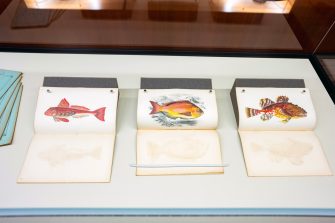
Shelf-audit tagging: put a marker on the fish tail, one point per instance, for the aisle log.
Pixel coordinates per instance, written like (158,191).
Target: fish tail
(100,114)
(155,107)
(250,112)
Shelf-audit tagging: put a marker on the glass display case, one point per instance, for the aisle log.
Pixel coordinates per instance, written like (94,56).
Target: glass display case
(214,197)
(128,39)
(210,26)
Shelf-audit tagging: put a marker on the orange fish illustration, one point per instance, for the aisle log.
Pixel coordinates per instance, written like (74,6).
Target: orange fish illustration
(177,109)
(63,111)
(281,109)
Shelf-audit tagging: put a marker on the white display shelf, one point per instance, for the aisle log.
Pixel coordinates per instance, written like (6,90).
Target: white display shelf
(231,193)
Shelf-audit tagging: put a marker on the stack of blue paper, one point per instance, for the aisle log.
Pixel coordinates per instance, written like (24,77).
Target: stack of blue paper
(10,97)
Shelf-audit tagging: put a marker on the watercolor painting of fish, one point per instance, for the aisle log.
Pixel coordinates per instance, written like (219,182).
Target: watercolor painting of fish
(177,109)
(63,111)
(282,109)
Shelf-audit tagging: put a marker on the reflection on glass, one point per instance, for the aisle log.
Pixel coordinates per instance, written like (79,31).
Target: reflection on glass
(173,10)
(253,6)
(76,4)
(3,5)
(178,25)
(26,18)
(328,64)
(112,12)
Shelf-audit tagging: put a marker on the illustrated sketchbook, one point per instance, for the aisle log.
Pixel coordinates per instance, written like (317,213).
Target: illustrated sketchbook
(176,121)
(75,124)
(275,120)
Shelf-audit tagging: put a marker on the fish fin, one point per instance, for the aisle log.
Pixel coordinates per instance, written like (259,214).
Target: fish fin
(80,116)
(63,103)
(63,119)
(266,116)
(250,112)
(286,120)
(264,102)
(100,113)
(186,113)
(79,107)
(155,108)
(173,102)
(56,119)
(282,99)
(169,115)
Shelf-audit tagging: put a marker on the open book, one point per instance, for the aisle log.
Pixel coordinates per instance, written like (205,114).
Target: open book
(177,127)
(275,120)
(75,124)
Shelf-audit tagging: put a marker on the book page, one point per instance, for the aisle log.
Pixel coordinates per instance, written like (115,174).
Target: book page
(176,109)
(283,153)
(74,136)
(275,109)
(158,148)
(76,110)
(68,158)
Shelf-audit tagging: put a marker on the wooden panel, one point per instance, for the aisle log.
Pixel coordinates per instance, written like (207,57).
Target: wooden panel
(310,21)
(3,5)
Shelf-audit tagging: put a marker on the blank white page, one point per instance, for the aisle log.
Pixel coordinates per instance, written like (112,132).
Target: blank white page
(173,147)
(68,158)
(283,153)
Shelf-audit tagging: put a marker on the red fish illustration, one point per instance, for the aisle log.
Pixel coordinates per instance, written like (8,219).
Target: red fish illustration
(64,110)
(282,109)
(177,109)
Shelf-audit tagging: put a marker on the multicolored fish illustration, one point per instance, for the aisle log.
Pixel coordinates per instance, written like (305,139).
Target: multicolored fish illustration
(282,109)
(177,109)
(64,110)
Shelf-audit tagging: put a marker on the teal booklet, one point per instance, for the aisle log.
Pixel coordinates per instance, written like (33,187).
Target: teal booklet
(10,96)
(7,78)
(8,81)
(7,136)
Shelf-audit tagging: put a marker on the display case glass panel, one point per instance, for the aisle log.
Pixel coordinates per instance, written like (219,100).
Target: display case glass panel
(287,26)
